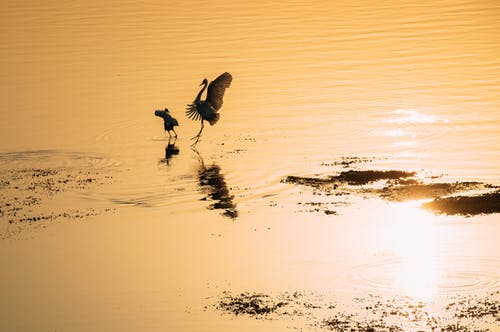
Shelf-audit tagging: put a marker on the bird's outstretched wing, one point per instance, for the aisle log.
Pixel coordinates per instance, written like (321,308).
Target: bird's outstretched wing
(216,90)
(192,112)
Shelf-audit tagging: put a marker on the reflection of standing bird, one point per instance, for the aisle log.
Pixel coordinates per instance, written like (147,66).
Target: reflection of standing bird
(214,185)
(169,122)
(170,151)
(208,109)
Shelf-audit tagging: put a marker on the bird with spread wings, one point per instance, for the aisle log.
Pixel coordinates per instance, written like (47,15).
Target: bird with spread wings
(208,109)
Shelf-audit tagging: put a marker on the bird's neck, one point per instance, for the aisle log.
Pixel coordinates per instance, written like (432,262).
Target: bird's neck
(198,97)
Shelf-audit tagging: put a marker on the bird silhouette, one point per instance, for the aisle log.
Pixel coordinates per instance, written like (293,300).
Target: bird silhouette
(208,109)
(169,122)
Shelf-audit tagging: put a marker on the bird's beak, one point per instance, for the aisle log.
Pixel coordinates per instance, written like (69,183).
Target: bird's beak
(201,83)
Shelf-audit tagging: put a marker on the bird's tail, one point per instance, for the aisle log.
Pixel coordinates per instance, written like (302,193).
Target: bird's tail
(214,119)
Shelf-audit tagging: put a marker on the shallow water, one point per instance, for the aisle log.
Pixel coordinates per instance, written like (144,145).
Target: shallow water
(409,87)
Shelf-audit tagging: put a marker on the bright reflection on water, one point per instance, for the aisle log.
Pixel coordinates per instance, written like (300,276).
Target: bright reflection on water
(405,116)
(426,258)
(415,244)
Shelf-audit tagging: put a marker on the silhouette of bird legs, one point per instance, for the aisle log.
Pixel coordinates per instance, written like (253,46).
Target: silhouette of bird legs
(169,135)
(170,140)
(197,137)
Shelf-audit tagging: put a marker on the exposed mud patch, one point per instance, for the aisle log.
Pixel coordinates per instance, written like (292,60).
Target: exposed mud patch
(351,177)
(327,208)
(40,194)
(344,322)
(265,306)
(418,190)
(466,205)
(358,178)
(400,185)
(349,161)
(367,314)
(472,308)
(255,304)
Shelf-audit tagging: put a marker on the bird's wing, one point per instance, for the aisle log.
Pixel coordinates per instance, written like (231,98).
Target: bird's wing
(192,112)
(216,90)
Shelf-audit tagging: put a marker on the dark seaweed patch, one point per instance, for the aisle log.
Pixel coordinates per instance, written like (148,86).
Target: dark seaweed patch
(308,181)
(259,305)
(348,161)
(255,304)
(457,327)
(415,191)
(368,314)
(472,308)
(402,186)
(466,205)
(351,177)
(26,190)
(344,322)
(359,178)
(321,207)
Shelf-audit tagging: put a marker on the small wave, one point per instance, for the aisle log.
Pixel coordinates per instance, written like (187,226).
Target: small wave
(443,275)
(55,158)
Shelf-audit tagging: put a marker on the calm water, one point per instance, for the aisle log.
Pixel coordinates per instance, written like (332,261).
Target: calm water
(411,86)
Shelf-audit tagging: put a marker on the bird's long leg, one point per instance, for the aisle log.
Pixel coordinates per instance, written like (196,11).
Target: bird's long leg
(197,137)
(174,133)
(169,136)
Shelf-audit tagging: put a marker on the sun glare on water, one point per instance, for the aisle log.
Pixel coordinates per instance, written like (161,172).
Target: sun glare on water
(413,116)
(412,239)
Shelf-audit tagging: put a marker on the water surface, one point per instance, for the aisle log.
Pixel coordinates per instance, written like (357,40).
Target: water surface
(411,87)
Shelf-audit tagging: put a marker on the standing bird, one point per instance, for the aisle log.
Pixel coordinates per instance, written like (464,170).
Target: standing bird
(208,109)
(169,122)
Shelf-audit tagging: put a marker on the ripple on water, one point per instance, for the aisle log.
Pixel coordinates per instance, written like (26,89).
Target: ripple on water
(439,276)
(55,158)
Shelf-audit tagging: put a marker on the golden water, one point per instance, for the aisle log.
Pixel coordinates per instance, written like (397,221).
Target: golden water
(415,86)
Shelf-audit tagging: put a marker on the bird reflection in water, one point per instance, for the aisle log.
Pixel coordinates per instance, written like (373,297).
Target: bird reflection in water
(214,185)
(170,151)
